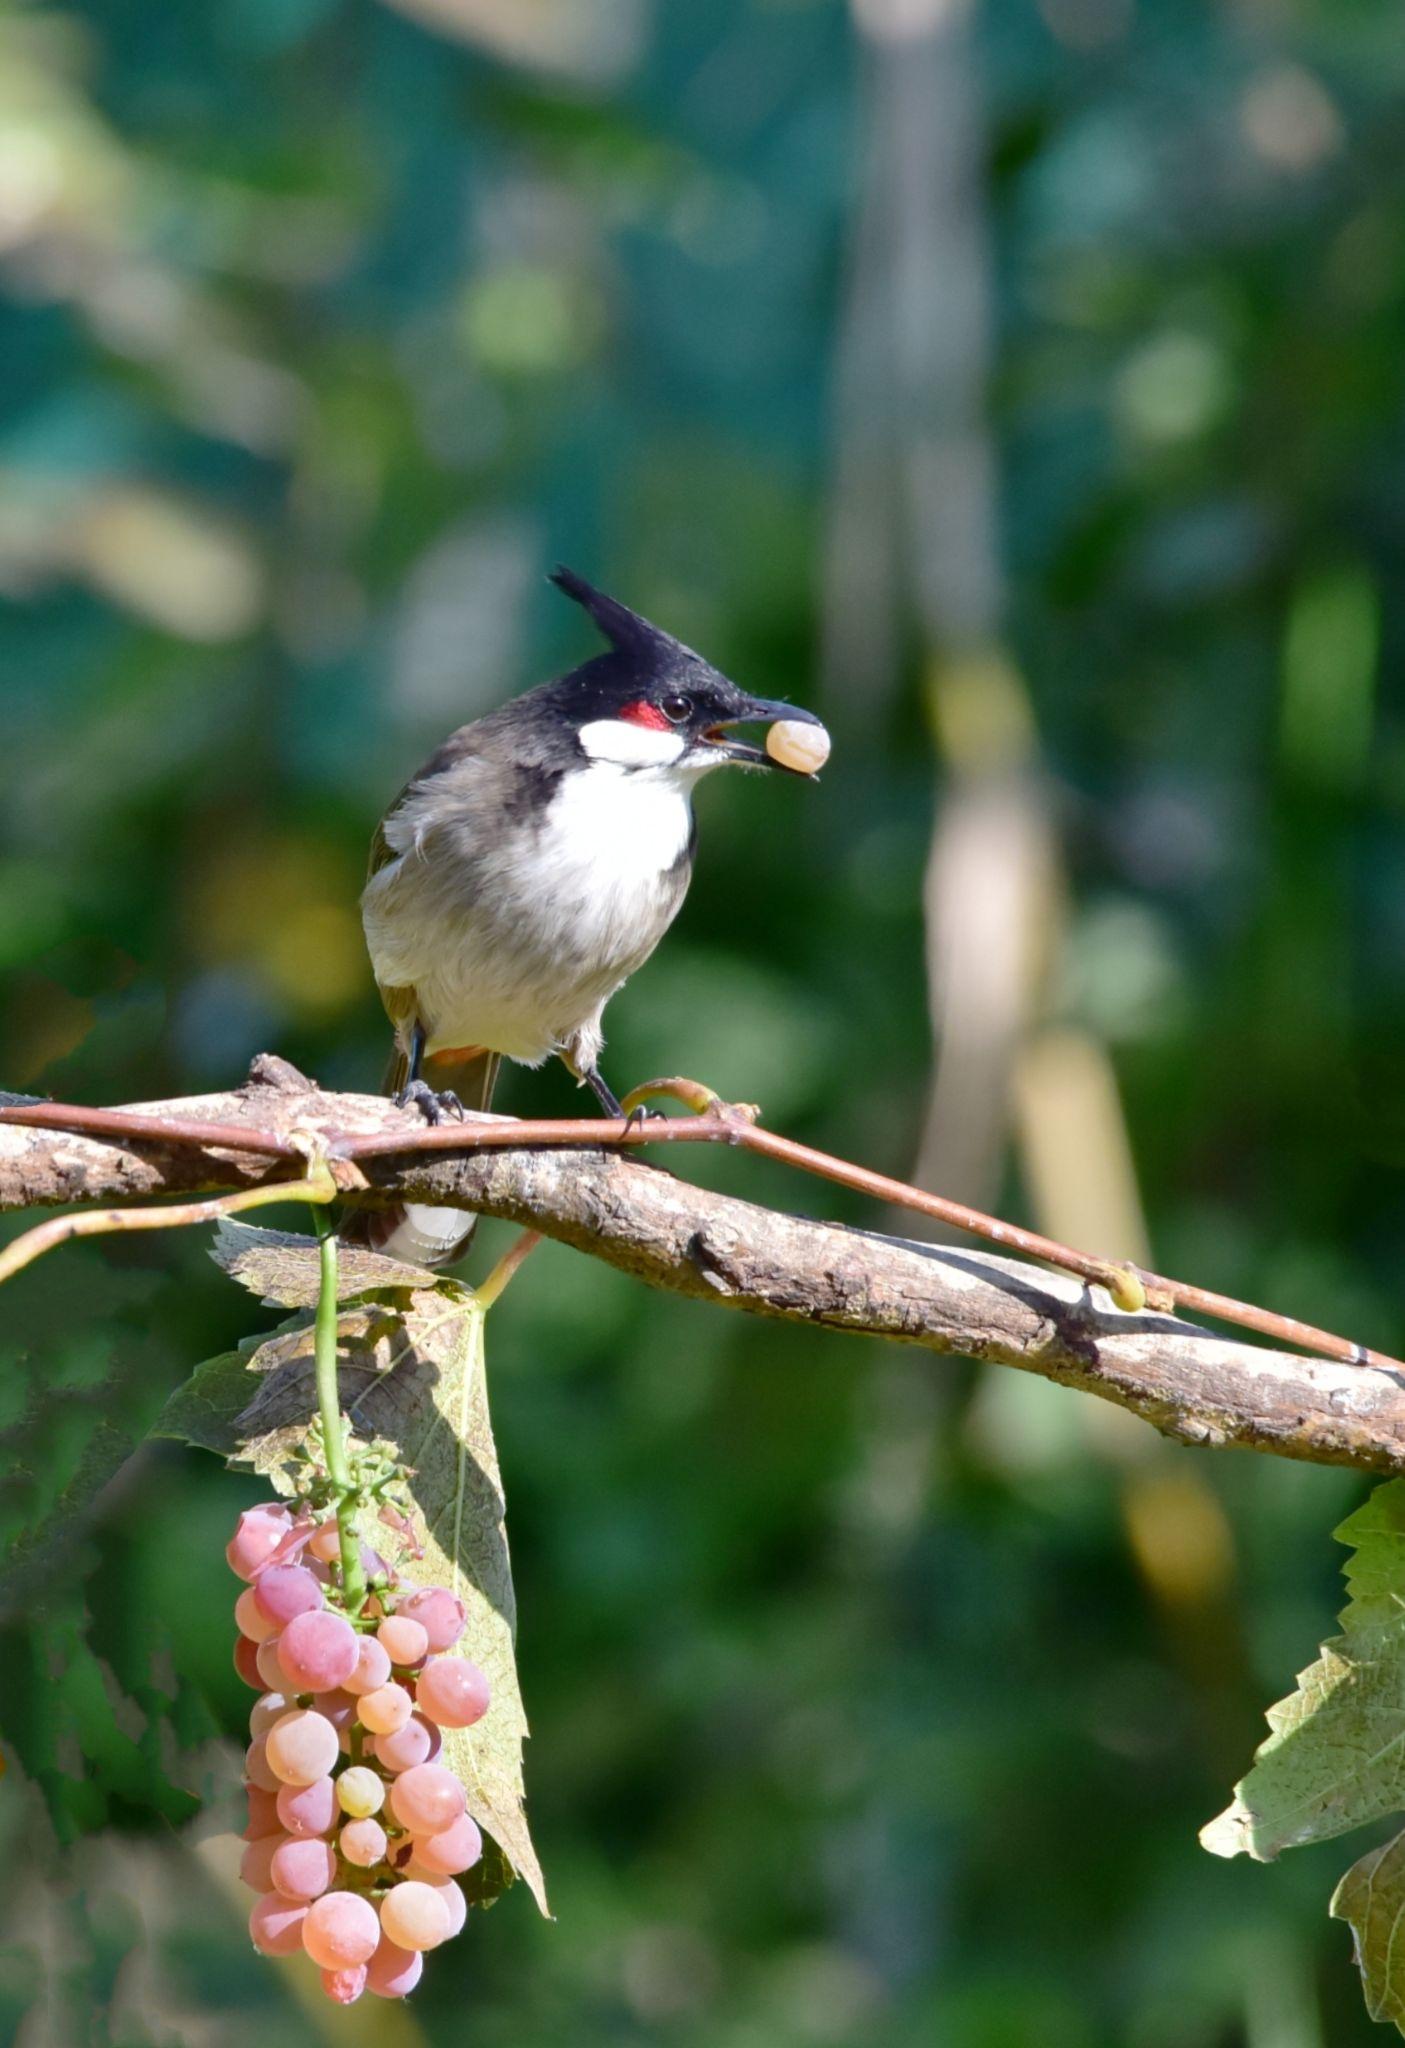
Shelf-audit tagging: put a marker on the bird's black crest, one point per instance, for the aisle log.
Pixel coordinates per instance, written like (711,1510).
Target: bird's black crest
(625,630)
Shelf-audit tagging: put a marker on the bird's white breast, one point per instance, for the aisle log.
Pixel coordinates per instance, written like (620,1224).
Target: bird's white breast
(515,939)
(616,826)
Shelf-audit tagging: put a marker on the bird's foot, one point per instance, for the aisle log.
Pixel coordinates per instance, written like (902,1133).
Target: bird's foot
(639,1114)
(694,1095)
(433,1107)
(634,1114)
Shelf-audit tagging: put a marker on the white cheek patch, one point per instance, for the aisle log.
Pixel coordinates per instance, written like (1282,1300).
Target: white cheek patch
(631,746)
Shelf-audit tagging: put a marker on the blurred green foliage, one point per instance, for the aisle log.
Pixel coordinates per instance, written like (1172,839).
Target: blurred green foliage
(865,1704)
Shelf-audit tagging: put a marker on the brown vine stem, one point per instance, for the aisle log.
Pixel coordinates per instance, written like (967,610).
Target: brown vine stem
(134,1123)
(717,1124)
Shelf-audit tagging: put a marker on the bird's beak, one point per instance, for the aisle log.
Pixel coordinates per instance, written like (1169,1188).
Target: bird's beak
(757,711)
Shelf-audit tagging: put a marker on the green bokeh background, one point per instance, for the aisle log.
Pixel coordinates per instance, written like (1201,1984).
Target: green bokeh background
(874,1699)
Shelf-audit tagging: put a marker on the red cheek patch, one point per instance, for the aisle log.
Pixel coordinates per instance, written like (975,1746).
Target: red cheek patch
(644,713)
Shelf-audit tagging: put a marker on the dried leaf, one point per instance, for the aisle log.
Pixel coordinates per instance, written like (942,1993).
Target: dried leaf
(282,1268)
(459,1493)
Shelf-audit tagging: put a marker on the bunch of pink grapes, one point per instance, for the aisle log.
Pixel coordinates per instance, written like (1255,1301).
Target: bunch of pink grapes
(357,1834)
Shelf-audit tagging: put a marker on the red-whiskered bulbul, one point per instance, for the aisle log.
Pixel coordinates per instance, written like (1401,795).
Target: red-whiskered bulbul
(534,863)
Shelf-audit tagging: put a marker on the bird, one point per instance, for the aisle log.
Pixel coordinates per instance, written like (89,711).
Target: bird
(533,865)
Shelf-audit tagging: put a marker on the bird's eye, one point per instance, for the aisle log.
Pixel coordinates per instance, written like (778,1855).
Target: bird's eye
(676,709)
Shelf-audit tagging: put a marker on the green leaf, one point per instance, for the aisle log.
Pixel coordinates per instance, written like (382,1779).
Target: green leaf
(1375,1573)
(1371,1899)
(203,1410)
(490,1876)
(412,1377)
(1335,1758)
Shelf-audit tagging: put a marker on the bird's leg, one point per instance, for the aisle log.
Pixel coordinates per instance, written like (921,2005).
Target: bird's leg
(608,1100)
(602,1091)
(580,1056)
(432,1106)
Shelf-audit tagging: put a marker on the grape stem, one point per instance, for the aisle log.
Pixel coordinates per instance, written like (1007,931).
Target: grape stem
(324,1355)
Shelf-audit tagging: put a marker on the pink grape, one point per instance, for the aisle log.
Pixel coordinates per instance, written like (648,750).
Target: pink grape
(345,1986)
(362,1842)
(272,1707)
(414,1916)
(371,1670)
(275,1925)
(308,1809)
(404,1640)
(340,1931)
(449,1890)
(440,1613)
(257,1768)
(387,1708)
(393,1972)
(272,1676)
(402,1750)
(455,1848)
(360,1792)
(303,1869)
(246,1662)
(337,1707)
(416,1743)
(256,1863)
(263,1813)
(301,1747)
(257,1534)
(452,1692)
(250,1619)
(426,1799)
(286,1590)
(317,1650)
(452,1895)
(325,1545)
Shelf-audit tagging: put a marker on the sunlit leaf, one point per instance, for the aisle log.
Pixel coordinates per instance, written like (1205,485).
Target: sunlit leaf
(1335,1758)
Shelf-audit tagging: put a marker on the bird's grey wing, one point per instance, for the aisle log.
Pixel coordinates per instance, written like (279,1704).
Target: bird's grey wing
(409,820)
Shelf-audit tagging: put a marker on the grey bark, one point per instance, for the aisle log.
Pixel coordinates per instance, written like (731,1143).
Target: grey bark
(1192,1385)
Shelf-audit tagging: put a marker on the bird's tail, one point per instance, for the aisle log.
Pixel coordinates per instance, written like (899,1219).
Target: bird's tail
(413,1231)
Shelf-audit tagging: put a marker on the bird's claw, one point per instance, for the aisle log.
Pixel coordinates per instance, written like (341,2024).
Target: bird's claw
(433,1107)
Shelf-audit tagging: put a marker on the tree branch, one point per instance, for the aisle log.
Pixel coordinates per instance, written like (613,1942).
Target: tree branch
(1190,1384)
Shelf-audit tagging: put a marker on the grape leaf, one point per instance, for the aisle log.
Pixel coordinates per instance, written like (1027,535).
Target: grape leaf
(282,1268)
(203,1409)
(1335,1757)
(1375,1572)
(457,1486)
(1371,1899)
(412,1376)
